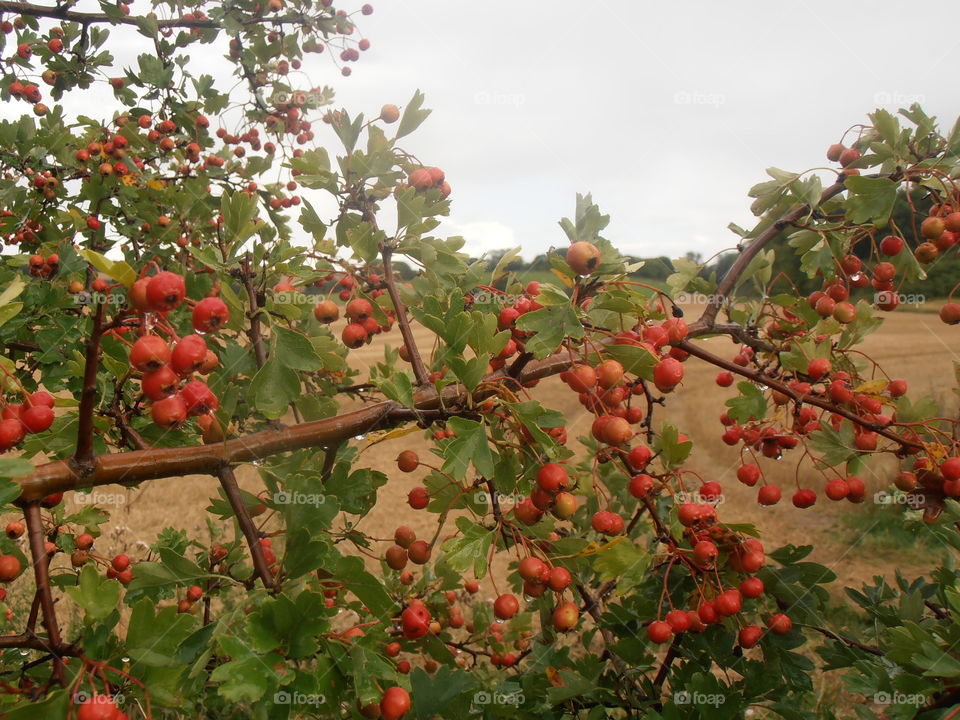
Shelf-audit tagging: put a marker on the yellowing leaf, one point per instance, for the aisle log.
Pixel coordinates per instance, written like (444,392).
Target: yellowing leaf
(563,278)
(130,180)
(872,387)
(154,184)
(935,450)
(594,547)
(380,436)
(119,271)
(13,289)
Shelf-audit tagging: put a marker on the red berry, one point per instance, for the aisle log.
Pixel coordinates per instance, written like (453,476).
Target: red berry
(779,624)
(659,631)
(506,606)
(210,314)
(37,418)
(165,291)
(769,495)
(751,587)
(418,498)
(749,636)
(552,478)
(395,703)
(149,353)
(169,413)
(199,398)
(188,355)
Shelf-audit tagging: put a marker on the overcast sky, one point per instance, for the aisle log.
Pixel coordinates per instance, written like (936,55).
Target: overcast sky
(666,112)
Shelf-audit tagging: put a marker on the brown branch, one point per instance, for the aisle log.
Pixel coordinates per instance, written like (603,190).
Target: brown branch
(87,18)
(228,482)
(419,370)
(770,382)
(131,468)
(41,572)
(747,254)
(256,337)
(668,659)
(847,641)
(88,396)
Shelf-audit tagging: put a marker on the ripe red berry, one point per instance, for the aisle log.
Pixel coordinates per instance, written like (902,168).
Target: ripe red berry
(559,579)
(565,616)
(751,587)
(506,606)
(149,353)
(769,494)
(640,486)
(189,355)
(354,335)
(408,461)
(748,474)
(169,413)
(199,398)
(395,703)
(639,457)
(160,383)
(728,602)
(659,632)
(837,489)
(552,478)
(418,498)
(749,636)
(779,624)
(210,314)
(9,568)
(667,374)
(531,568)
(165,291)
(359,309)
(37,418)
(804,498)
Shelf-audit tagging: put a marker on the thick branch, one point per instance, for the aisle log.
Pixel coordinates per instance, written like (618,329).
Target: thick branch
(88,396)
(228,482)
(256,337)
(419,371)
(41,572)
(87,18)
(729,281)
(131,468)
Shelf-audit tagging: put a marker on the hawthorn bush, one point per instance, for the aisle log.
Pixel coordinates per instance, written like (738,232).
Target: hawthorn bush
(167,309)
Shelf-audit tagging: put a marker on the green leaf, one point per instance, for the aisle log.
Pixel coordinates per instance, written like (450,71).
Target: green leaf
(274,387)
(97,595)
(469,445)
(15,467)
(624,562)
(870,199)
(551,326)
(295,351)
(413,115)
(431,694)
(470,549)
(673,452)
(749,405)
(364,585)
